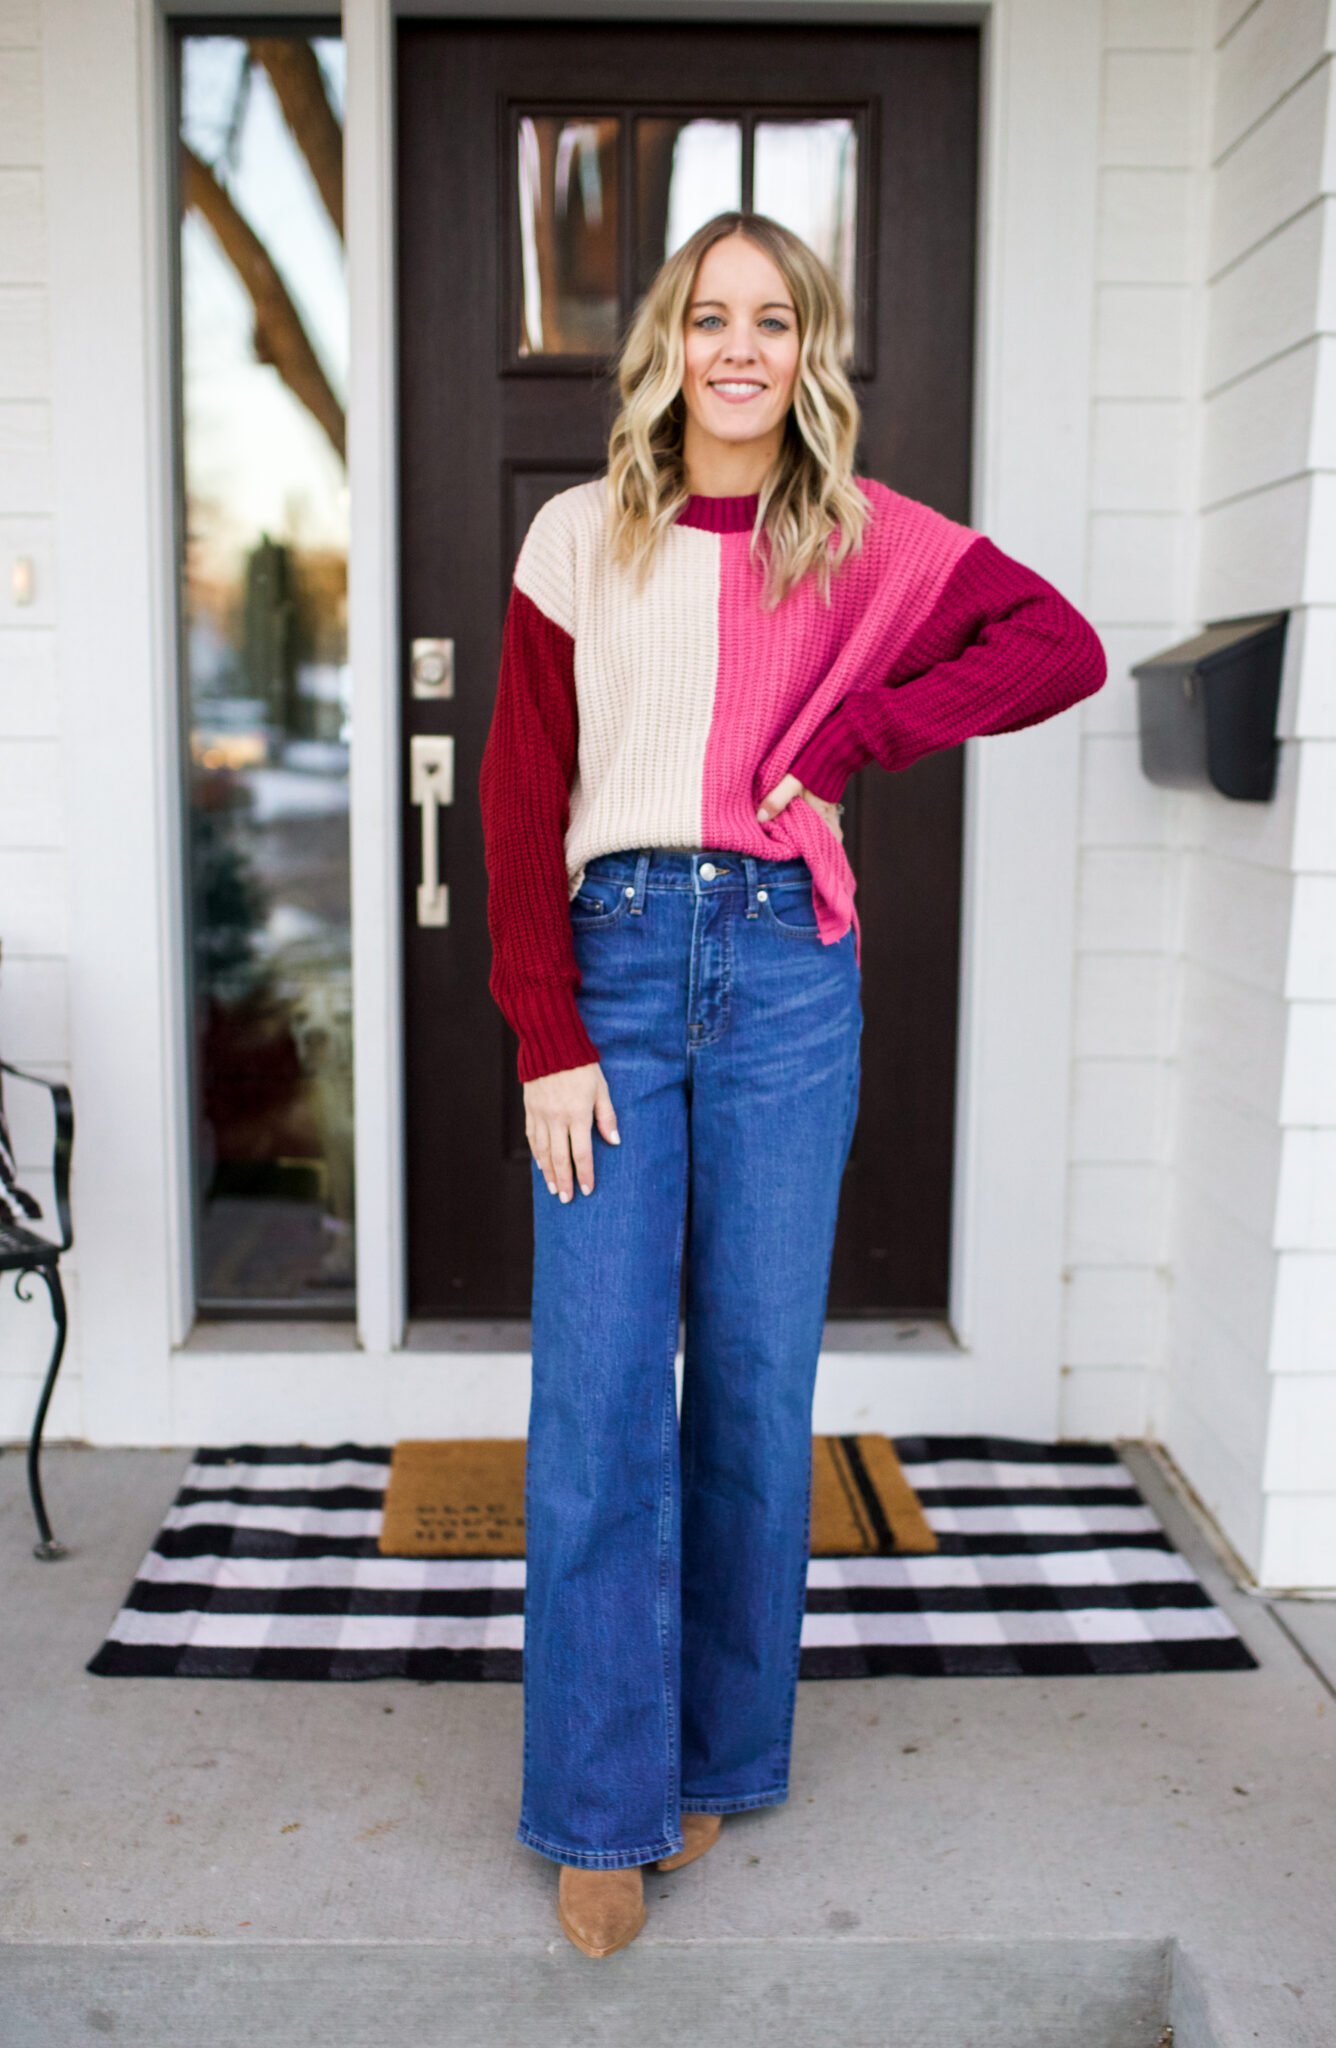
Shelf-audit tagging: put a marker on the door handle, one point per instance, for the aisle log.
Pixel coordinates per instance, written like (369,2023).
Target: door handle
(431,784)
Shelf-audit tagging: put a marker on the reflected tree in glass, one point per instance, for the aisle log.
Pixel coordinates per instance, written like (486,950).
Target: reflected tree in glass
(263,579)
(569,222)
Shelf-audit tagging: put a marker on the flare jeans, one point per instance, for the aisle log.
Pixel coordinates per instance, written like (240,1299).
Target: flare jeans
(666,1562)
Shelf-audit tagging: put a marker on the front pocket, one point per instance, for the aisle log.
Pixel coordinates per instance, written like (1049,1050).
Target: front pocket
(597,904)
(789,909)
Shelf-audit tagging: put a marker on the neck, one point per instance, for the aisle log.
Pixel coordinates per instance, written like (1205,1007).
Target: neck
(745,484)
(726,469)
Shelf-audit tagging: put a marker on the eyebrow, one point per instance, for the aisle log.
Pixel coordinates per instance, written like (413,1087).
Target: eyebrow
(783,303)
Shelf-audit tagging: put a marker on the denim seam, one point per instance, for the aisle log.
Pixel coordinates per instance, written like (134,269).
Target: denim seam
(851,1106)
(724,1003)
(525,1704)
(743,1802)
(795,1659)
(671,1700)
(600,1859)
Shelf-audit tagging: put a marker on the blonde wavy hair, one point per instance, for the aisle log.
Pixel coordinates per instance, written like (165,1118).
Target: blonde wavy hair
(809,495)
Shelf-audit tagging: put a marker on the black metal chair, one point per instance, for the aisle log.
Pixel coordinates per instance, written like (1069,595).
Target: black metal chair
(23,1252)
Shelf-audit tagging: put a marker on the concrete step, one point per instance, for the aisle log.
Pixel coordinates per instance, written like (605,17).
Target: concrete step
(655,1994)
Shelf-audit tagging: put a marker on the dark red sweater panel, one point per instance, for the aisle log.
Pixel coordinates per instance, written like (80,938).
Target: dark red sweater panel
(528,768)
(1001,649)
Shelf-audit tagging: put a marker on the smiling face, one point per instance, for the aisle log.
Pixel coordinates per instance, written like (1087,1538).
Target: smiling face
(741,345)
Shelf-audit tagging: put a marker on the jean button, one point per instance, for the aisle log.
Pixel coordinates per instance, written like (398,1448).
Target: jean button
(707,869)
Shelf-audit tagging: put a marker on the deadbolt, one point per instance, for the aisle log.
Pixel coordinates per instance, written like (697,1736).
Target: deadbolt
(433,668)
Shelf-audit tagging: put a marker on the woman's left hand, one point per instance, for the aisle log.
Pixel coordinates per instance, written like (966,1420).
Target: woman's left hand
(783,794)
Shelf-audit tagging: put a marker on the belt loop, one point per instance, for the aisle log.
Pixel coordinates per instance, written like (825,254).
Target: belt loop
(642,883)
(749,863)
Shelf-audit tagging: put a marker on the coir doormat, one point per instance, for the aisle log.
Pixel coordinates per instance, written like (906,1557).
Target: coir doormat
(464,1497)
(1049,1563)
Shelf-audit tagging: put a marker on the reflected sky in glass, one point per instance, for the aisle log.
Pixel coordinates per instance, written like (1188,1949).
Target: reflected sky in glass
(256,455)
(805,175)
(706,177)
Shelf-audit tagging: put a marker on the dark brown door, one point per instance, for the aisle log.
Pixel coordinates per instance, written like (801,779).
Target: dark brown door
(543,172)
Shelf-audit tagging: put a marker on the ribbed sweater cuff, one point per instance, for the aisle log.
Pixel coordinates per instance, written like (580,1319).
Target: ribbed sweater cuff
(830,756)
(546,1019)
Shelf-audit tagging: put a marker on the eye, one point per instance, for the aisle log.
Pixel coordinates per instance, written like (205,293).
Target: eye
(772,320)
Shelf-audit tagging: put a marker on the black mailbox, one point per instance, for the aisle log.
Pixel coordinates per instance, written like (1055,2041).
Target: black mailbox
(1207,708)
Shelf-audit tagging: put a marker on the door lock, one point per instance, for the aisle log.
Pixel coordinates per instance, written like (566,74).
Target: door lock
(432,665)
(432,783)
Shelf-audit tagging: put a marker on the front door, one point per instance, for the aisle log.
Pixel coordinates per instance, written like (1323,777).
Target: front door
(543,173)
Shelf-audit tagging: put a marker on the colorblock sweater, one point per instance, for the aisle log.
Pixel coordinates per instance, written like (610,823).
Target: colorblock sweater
(662,716)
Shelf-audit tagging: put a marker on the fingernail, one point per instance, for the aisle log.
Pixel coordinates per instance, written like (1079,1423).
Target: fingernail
(565,1196)
(760,818)
(614,1137)
(586,1188)
(552,1187)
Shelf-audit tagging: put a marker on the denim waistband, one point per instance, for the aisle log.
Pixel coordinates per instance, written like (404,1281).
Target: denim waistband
(672,867)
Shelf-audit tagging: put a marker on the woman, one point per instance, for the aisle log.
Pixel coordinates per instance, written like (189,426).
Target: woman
(700,648)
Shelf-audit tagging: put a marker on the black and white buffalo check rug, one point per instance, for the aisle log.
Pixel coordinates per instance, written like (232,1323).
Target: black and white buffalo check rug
(1050,1564)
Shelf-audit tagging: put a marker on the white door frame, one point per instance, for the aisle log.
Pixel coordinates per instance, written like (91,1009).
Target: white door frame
(147,1376)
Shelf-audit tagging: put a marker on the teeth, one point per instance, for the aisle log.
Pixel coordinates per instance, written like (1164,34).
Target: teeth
(738,387)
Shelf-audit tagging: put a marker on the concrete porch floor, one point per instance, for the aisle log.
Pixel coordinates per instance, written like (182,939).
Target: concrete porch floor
(983,1863)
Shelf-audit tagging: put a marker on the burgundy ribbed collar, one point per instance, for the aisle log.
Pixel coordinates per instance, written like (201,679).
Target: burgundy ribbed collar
(720,515)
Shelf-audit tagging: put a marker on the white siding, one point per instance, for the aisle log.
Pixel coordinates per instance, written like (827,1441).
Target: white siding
(1201,1243)
(34,1021)
(1125,983)
(1246,1401)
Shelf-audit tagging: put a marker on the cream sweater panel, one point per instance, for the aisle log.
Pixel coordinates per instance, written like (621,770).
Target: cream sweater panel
(646,668)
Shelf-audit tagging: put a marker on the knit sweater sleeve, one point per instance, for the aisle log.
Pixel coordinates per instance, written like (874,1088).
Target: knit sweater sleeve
(999,649)
(524,787)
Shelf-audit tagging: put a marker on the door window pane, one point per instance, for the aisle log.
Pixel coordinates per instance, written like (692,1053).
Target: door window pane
(568,188)
(263,584)
(686,172)
(805,174)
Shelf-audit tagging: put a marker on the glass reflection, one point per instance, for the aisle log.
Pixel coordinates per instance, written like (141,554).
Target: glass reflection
(686,171)
(567,182)
(805,174)
(264,581)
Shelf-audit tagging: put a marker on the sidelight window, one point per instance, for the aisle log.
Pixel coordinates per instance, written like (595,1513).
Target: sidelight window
(262,320)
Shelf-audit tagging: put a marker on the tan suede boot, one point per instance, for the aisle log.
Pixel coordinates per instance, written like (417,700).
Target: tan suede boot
(601,1910)
(699,1832)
